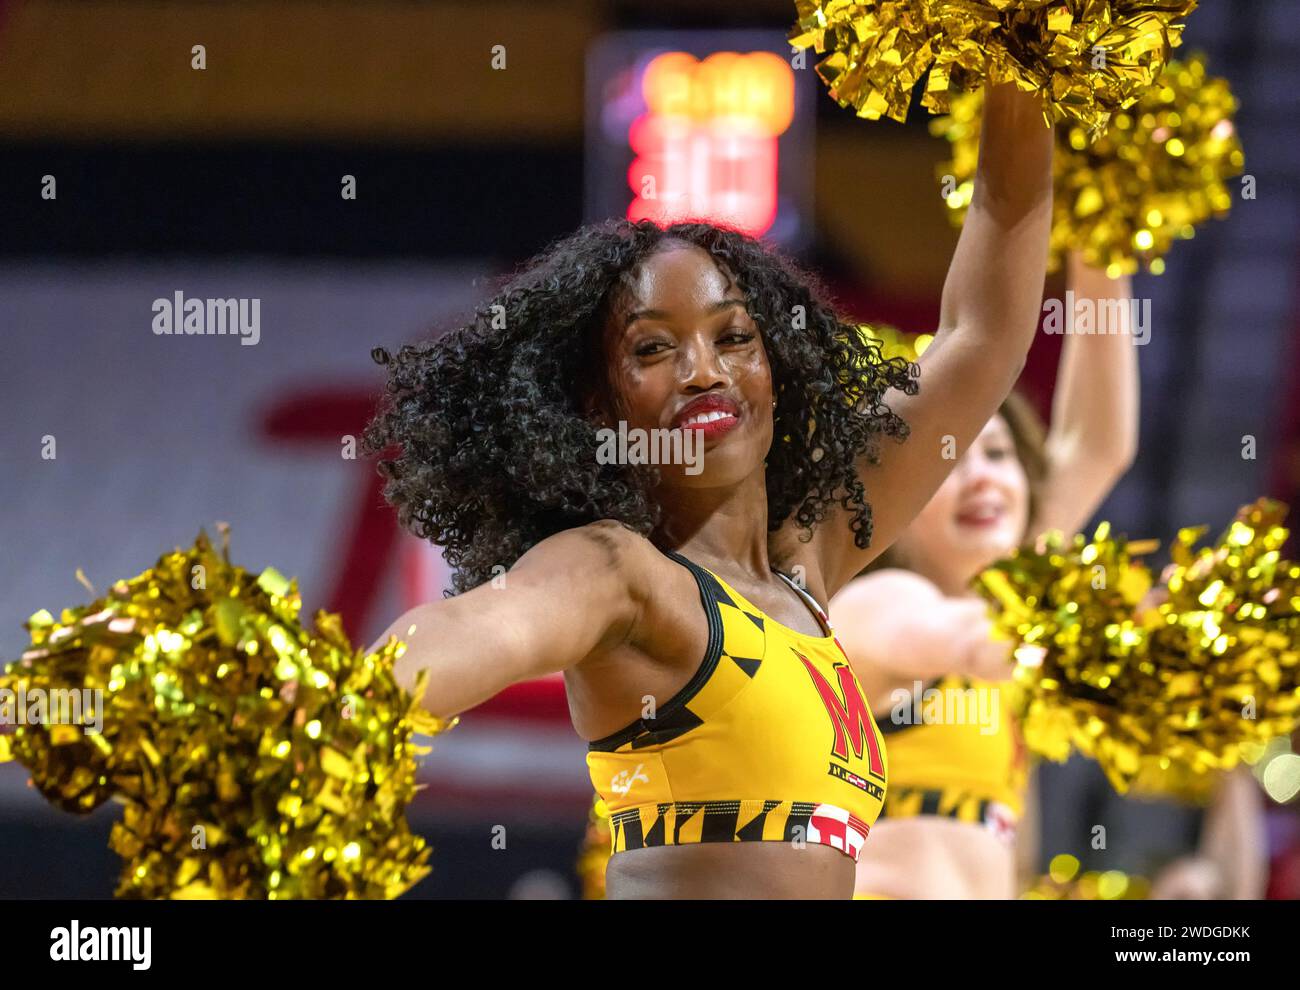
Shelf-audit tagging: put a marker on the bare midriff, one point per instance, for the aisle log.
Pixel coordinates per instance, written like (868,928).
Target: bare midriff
(764,870)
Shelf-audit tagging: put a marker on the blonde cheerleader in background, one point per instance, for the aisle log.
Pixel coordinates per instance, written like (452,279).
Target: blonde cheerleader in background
(919,638)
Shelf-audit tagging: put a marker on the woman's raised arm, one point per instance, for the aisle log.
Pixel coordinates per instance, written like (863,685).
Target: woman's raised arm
(990,310)
(1094,434)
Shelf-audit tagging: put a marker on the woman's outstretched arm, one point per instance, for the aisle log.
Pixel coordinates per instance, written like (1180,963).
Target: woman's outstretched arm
(572,595)
(1094,434)
(896,627)
(990,310)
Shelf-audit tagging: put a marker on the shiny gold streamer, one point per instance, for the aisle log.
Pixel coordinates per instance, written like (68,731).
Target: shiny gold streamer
(1166,779)
(1086,58)
(1160,170)
(1196,680)
(255,759)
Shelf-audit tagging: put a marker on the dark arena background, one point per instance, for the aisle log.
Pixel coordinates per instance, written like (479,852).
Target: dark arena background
(360,170)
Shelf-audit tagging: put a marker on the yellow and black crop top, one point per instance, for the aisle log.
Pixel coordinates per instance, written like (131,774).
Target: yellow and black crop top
(955,752)
(772,739)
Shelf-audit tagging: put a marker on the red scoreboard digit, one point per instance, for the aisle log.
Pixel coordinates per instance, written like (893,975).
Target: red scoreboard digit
(712,125)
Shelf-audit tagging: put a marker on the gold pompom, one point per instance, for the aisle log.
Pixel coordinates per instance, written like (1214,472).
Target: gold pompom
(1158,172)
(255,759)
(1194,680)
(1229,642)
(875,52)
(1170,780)
(1086,58)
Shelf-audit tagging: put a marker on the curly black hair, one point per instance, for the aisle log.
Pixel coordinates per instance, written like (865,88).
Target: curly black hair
(490,442)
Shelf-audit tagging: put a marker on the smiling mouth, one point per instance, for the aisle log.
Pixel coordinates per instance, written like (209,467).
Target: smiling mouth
(981,518)
(711,425)
(709,417)
(705,418)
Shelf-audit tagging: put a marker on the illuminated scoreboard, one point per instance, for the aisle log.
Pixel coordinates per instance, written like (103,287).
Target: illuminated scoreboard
(712,125)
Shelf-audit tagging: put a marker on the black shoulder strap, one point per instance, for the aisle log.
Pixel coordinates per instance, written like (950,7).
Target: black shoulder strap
(672,718)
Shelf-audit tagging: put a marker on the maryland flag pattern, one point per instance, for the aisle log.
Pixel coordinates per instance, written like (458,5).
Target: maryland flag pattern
(959,805)
(908,802)
(737,821)
(771,740)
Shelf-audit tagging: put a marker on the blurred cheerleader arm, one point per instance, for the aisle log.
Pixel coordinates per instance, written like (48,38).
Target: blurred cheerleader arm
(1231,862)
(989,312)
(574,594)
(1029,835)
(1234,838)
(1094,435)
(896,627)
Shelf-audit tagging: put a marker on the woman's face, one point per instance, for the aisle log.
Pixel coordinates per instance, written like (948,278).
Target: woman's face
(684,355)
(978,515)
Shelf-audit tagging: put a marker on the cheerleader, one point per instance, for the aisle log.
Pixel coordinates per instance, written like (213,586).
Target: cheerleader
(727,733)
(919,637)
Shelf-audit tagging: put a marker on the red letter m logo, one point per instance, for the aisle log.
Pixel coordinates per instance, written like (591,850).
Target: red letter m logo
(850,716)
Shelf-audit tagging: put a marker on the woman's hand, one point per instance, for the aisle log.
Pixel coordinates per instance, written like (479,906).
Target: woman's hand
(1151,601)
(990,659)
(897,627)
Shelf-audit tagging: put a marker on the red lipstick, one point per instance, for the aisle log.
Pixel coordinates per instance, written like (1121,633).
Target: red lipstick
(713,415)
